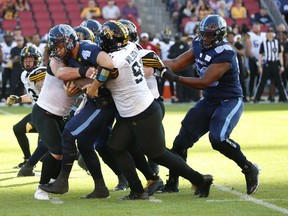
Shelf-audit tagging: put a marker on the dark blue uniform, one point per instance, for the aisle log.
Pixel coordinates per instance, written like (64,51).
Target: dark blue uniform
(91,127)
(219,110)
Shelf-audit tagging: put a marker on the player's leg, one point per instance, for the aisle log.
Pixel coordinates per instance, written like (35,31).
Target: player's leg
(194,125)
(20,129)
(224,120)
(154,147)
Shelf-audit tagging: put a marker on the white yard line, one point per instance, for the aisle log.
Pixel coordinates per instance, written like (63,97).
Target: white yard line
(6,113)
(251,199)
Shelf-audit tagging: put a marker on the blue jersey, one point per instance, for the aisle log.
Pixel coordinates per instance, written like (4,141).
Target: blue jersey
(87,55)
(228,86)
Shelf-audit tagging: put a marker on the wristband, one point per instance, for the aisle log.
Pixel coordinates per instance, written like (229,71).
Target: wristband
(83,70)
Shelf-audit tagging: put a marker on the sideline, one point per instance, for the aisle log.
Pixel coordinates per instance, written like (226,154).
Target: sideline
(251,199)
(6,113)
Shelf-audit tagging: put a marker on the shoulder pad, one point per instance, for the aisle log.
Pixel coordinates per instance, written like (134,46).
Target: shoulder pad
(38,74)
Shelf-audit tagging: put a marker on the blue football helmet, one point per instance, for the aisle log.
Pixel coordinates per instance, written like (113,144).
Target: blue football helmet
(61,41)
(93,25)
(212,31)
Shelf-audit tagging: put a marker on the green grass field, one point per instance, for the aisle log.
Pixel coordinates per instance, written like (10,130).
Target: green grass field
(262,134)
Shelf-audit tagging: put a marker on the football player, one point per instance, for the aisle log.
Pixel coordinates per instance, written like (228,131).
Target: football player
(87,125)
(32,78)
(222,105)
(139,115)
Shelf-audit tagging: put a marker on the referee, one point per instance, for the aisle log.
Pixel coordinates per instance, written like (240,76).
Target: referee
(272,65)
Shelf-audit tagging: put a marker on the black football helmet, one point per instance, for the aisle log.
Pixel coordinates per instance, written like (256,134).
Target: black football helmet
(31,50)
(132,29)
(212,31)
(92,24)
(113,36)
(83,33)
(61,41)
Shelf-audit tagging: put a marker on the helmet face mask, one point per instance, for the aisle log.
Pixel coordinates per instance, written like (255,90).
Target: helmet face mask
(61,41)
(212,31)
(30,54)
(113,36)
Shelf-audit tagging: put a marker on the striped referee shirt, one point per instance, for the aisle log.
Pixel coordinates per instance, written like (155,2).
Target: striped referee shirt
(270,50)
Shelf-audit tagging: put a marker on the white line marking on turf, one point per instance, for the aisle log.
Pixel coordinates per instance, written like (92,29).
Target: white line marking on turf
(251,199)
(56,200)
(6,113)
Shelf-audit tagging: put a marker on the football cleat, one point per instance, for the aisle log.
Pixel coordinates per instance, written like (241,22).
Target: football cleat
(57,187)
(21,164)
(204,189)
(98,192)
(153,186)
(136,196)
(26,170)
(41,195)
(252,181)
(171,186)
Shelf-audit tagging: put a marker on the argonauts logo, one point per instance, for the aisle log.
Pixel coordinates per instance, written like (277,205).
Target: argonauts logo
(86,54)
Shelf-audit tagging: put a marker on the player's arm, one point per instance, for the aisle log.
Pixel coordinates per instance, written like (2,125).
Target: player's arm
(213,73)
(104,70)
(14,99)
(248,46)
(62,72)
(184,60)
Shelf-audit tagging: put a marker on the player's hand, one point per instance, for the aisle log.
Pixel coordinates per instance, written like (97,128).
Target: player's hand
(13,99)
(71,88)
(168,74)
(91,90)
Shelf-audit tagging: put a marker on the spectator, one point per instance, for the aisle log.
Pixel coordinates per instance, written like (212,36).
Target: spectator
(214,5)
(6,65)
(22,5)
(18,32)
(229,4)
(238,11)
(202,10)
(222,11)
(185,11)
(16,85)
(93,11)
(130,12)
(190,25)
(9,10)
(111,11)
(36,40)
(146,44)
(263,17)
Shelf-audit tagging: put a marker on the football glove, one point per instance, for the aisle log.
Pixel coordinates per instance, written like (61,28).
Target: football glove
(168,74)
(13,99)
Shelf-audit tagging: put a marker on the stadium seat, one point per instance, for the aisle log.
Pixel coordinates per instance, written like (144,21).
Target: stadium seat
(26,23)
(29,31)
(229,21)
(241,21)
(41,15)
(9,24)
(37,7)
(56,7)
(25,15)
(60,21)
(76,22)
(43,30)
(45,23)
(58,15)
(36,1)
(73,7)
(74,14)
(53,1)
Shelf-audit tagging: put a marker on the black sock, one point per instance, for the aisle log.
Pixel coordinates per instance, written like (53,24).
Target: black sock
(49,168)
